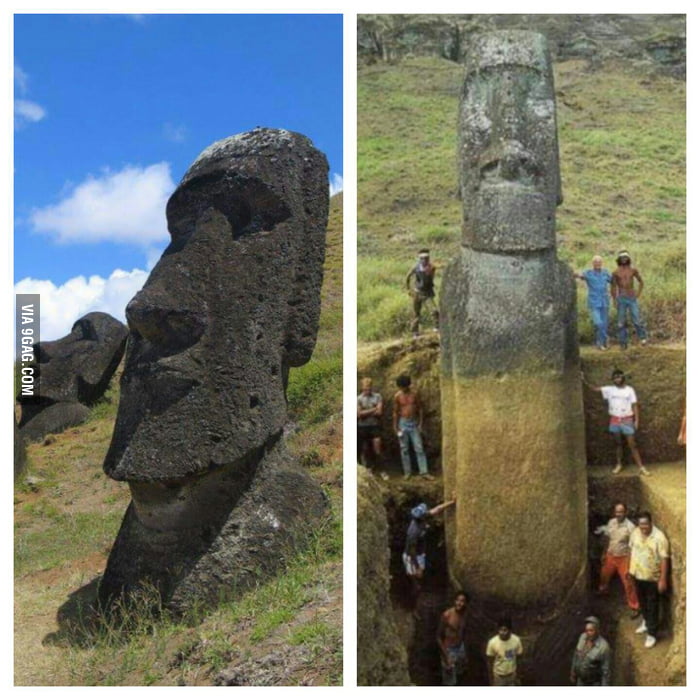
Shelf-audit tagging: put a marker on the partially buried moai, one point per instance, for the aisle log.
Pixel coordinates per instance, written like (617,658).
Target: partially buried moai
(217,501)
(513,432)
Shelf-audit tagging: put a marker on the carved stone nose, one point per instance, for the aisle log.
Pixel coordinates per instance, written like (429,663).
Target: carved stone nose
(163,323)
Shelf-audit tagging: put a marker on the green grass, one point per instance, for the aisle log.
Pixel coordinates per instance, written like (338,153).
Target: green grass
(622,155)
(63,537)
(69,513)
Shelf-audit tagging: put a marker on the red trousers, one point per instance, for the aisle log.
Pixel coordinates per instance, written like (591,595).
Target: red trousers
(619,565)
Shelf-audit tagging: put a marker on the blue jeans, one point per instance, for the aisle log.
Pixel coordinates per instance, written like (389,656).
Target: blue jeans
(411,434)
(599,316)
(625,304)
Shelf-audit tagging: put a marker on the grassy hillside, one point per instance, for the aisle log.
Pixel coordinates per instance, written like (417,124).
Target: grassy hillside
(288,631)
(622,151)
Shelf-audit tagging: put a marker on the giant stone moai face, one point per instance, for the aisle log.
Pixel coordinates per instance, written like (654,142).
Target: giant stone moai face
(508,150)
(232,304)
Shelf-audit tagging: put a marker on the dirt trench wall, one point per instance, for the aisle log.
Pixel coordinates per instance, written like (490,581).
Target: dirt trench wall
(657,372)
(664,497)
(381,657)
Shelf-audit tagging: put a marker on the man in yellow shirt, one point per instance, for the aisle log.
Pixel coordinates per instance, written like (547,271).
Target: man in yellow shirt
(649,568)
(504,649)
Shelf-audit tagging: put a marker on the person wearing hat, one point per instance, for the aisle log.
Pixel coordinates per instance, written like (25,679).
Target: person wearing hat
(626,296)
(591,662)
(624,417)
(414,554)
(423,291)
(599,283)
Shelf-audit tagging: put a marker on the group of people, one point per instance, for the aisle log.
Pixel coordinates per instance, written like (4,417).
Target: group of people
(637,553)
(620,287)
(407,416)
(407,422)
(623,286)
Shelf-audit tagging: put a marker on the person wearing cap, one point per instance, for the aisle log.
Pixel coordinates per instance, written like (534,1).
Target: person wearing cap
(649,562)
(414,553)
(617,555)
(369,415)
(599,283)
(626,296)
(504,649)
(451,639)
(624,417)
(423,290)
(591,662)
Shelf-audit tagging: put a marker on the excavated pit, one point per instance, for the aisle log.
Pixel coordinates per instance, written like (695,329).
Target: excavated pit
(549,644)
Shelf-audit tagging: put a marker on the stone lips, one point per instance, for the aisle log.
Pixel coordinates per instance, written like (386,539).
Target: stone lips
(74,372)
(230,530)
(512,411)
(234,302)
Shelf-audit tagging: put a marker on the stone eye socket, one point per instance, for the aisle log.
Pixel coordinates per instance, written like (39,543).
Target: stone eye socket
(250,205)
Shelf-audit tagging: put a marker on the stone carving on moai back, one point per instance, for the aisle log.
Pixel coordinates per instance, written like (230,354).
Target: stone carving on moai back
(73,373)
(512,414)
(217,501)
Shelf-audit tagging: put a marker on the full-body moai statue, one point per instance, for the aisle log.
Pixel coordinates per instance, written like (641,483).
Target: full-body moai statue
(217,501)
(513,432)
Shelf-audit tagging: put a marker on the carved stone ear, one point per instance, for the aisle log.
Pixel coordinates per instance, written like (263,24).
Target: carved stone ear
(309,253)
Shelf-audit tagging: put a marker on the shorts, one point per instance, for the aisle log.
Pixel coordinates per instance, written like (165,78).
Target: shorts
(368,432)
(621,426)
(410,567)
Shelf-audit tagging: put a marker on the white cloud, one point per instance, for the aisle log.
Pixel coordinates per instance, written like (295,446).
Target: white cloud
(21,79)
(336,184)
(176,133)
(126,206)
(26,111)
(63,305)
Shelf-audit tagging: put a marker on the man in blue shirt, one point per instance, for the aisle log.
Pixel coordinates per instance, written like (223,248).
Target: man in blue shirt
(599,283)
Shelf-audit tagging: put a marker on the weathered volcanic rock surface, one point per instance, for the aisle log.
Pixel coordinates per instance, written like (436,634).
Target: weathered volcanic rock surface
(512,409)
(74,372)
(233,303)
(655,41)
(381,658)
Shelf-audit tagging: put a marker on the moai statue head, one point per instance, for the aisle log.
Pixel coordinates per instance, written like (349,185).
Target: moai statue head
(232,304)
(508,152)
(75,370)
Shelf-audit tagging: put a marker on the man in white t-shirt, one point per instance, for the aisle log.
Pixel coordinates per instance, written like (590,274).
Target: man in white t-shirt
(624,417)
(504,649)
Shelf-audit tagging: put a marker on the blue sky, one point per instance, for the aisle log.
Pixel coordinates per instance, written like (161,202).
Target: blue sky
(110,110)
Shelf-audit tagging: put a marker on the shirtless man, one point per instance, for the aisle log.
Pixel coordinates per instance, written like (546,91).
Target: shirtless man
(451,640)
(408,423)
(626,296)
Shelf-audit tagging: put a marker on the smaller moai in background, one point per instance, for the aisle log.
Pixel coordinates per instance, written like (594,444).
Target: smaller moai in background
(73,373)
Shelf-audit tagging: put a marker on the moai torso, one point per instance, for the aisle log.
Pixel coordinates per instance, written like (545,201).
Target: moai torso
(513,448)
(232,304)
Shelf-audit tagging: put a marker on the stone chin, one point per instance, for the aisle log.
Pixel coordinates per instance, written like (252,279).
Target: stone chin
(509,217)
